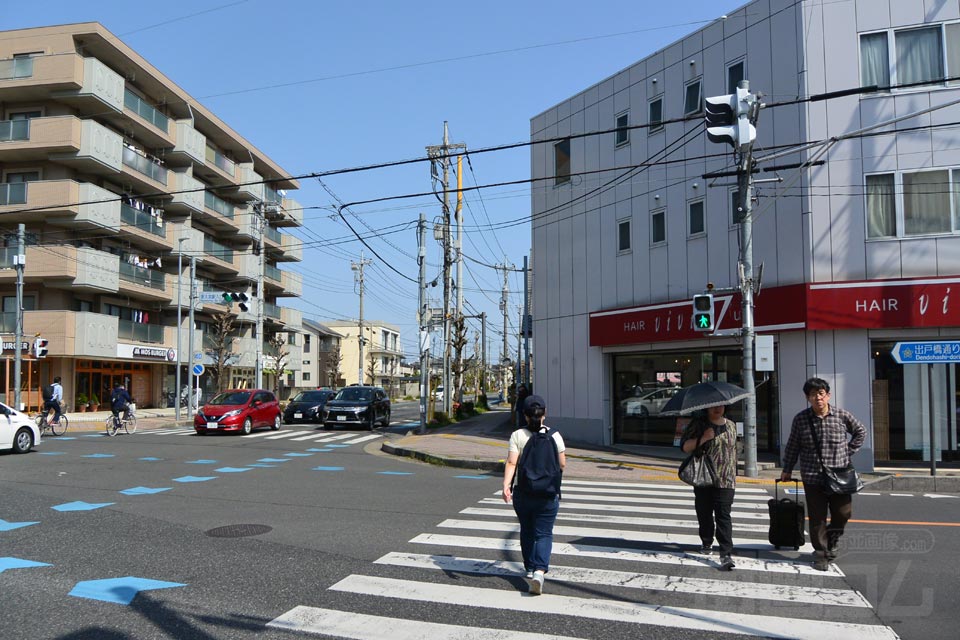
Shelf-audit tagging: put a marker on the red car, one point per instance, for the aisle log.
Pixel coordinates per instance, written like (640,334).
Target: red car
(239,410)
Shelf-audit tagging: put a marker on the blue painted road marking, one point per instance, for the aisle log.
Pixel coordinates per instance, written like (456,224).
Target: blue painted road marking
(93,435)
(19,563)
(98,455)
(150,459)
(338,446)
(81,506)
(232,469)
(395,473)
(298,455)
(201,462)
(10,526)
(315,450)
(194,478)
(52,453)
(143,491)
(274,460)
(263,465)
(473,477)
(328,468)
(118,590)
(66,438)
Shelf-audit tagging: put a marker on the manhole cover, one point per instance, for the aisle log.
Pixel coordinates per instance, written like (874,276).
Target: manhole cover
(239,530)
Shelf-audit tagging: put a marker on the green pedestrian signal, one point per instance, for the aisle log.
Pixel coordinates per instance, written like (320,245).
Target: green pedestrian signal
(703,312)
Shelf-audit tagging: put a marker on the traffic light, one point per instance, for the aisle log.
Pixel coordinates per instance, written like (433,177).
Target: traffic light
(703,312)
(727,119)
(40,347)
(239,297)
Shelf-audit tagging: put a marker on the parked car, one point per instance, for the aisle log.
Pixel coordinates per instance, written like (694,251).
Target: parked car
(17,431)
(238,410)
(650,403)
(307,406)
(438,394)
(360,406)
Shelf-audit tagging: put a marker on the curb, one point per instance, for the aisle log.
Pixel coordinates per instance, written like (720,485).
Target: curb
(479,465)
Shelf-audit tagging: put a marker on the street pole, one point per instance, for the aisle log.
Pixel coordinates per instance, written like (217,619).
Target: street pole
(261,223)
(179,326)
(358,267)
(745,185)
(458,249)
(525,325)
(503,307)
(190,363)
(18,263)
(483,353)
(423,341)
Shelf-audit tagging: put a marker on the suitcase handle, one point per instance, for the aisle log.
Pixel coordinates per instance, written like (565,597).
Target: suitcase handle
(776,487)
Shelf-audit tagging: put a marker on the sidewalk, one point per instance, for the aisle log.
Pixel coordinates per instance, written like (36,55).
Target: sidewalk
(481,443)
(90,421)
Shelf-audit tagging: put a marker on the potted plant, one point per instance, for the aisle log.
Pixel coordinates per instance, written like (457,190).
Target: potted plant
(94,402)
(82,402)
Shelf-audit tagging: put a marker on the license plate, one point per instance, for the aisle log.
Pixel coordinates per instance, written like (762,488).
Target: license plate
(343,418)
(298,415)
(212,425)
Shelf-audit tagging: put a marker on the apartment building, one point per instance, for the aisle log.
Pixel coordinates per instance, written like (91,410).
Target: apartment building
(322,364)
(858,252)
(120,179)
(382,352)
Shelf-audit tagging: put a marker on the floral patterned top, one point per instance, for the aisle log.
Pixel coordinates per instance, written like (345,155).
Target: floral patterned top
(722,449)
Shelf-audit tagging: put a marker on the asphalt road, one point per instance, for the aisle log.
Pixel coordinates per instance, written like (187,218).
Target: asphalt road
(325,525)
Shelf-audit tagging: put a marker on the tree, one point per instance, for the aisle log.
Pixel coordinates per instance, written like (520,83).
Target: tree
(371,368)
(279,357)
(458,366)
(221,348)
(334,361)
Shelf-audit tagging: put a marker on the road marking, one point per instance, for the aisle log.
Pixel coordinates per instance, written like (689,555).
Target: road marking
(610,610)
(669,501)
(363,438)
(621,554)
(672,493)
(569,504)
(902,495)
(358,626)
(908,523)
(617,520)
(312,436)
(286,434)
(655,582)
(613,534)
(937,495)
(644,485)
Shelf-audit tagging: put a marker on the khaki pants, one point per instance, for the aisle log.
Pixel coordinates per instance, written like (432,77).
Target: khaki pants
(825,537)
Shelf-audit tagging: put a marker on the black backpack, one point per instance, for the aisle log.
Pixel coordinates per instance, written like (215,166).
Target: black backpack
(47,392)
(538,471)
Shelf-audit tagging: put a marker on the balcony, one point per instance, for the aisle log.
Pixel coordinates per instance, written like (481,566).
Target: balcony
(222,170)
(292,284)
(145,111)
(12,69)
(292,214)
(28,79)
(271,311)
(141,332)
(251,183)
(58,202)
(13,193)
(152,230)
(14,130)
(292,249)
(292,318)
(218,205)
(84,144)
(187,193)
(270,272)
(248,266)
(63,267)
(143,283)
(218,257)
(146,170)
(190,147)
(96,88)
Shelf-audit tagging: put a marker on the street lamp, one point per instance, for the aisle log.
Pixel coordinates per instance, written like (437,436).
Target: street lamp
(176,392)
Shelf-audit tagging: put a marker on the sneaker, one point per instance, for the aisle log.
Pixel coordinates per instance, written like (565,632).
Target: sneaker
(536,583)
(706,550)
(529,575)
(726,563)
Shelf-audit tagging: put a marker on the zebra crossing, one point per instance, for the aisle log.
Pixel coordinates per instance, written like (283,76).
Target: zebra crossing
(625,561)
(292,436)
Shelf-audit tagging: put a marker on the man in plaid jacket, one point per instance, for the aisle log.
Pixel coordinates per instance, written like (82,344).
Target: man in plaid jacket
(832,426)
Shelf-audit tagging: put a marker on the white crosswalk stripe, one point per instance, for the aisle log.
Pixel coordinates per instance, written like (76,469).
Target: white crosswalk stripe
(623,554)
(310,437)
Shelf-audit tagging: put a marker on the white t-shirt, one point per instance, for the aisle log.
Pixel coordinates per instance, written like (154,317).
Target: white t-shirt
(518,439)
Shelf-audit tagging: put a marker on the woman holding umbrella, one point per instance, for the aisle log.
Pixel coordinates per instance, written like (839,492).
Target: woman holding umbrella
(717,436)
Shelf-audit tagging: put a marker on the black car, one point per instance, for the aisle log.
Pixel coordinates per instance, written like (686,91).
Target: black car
(307,406)
(358,406)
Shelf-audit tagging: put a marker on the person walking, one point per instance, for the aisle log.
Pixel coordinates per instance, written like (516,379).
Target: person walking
(519,419)
(531,479)
(822,427)
(717,437)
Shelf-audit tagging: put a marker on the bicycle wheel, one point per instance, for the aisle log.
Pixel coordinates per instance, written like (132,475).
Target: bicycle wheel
(111,426)
(130,424)
(59,428)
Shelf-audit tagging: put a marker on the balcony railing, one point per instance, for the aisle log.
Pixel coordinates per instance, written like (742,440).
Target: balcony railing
(148,112)
(140,332)
(14,130)
(143,220)
(13,193)
(217,159)
(271,310)
(219,205)
(144,277)
(273,234)
(144,165)
(272,272)
(216,250)
(8,322)
(16,68)
(270,195)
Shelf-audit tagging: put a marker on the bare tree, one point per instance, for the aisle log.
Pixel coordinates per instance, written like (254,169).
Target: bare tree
(333,364)
(371,368)
(458,366)
(279,358)
(221,348)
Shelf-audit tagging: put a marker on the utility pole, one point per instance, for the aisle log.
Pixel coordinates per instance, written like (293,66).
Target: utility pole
(520,375)
(193,304)
(358,268)
(19,265)
(526,326)
(458,250)
(260,224)
(423,323)
(483,354)
(503,307)
(441,154)
(176,400)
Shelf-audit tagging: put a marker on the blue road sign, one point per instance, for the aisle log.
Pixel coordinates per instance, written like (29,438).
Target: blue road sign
(198,369)
(927,352)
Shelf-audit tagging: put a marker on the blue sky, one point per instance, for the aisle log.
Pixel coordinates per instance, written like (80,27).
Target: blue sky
(325,85)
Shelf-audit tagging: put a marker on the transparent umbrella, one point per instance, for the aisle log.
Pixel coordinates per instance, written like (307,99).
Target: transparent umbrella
(702,396)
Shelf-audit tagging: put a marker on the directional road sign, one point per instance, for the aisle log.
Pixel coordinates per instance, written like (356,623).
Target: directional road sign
(927,351)
(211,297)
(198,369)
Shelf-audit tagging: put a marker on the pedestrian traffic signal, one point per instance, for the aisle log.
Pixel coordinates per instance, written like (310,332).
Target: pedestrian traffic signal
(703,312)
(40,347)
(240,298)
(727,119)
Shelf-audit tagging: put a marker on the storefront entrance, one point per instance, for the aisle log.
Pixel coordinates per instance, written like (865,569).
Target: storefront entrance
(95,381)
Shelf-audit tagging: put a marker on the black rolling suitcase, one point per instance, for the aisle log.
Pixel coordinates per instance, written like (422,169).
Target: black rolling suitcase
(786,519)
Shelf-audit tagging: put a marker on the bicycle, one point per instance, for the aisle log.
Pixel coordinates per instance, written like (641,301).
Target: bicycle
(57,428)
(128,421)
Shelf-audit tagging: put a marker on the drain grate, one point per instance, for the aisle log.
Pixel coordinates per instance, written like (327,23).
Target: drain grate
(239,530)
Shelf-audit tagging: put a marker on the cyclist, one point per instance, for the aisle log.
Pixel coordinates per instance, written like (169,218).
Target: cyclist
(53,402)
(119,400)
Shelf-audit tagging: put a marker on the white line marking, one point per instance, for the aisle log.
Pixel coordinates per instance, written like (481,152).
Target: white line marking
(285,434)
(644,485)
(358,626)
(259,434)
(620,508)
(902,495)
(313,436)
(617,520)
(363,438)
(865,493)
(656,582)
(677,492)
(635,613)
(688,502)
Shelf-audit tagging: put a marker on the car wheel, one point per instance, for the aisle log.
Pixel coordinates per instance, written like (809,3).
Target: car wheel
(23,441)
(276,423)
(247,426)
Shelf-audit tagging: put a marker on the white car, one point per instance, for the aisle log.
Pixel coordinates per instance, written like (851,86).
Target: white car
(650,403)
(438,394)
(17,431)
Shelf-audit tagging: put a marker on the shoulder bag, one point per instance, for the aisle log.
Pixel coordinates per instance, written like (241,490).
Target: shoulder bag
(698,470)
(837,480)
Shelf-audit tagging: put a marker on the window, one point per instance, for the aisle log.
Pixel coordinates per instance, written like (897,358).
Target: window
(306,362)
(561,161)
(306,376)
(622,135)
(695,217)
(658,227)
(623,235)
(735,73)
(930,203)
(736,215)
(692,102)
(656,115)
(925,55)
(306,343)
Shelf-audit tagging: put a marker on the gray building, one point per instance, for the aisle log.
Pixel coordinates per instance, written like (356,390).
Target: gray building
(857,253)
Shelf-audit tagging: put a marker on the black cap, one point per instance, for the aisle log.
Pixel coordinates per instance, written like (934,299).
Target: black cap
(532,403)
